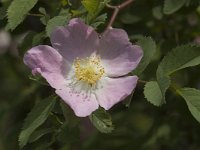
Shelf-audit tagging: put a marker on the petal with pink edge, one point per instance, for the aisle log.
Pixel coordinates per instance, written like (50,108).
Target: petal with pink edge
(75,40)
(118,55)
(49,63)
(115,90)
(82,105)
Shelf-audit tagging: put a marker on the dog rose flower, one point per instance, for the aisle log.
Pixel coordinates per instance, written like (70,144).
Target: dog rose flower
(87,71)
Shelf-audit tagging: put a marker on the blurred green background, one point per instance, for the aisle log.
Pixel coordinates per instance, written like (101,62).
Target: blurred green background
(142,126)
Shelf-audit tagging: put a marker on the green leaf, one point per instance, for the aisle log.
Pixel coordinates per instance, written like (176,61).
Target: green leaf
(99,20)
(17,12)
(35,118)
(38,38)
(102,121)
(38,79)
(192,98)
(149,49)
(45,18)
(70,118)
(170,6)
(56,21)
(152,93)
(157,12)
(91,5)
(179,58)
(39,133)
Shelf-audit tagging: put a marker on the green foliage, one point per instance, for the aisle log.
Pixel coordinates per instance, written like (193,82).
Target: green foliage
(99,20)
(2,13)
(56,21)
(149,49)
(152,93)
(179,58)
(102,121)
(35,118)
(17,12)
(170,6)
(192,98)
(91,5)
(39,133)
(45,18)
(157,12)
(140,125)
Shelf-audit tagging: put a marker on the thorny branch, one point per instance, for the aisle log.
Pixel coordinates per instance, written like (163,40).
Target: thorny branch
(116,11)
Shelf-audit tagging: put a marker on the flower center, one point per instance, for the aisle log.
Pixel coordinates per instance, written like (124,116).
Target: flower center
(88,70)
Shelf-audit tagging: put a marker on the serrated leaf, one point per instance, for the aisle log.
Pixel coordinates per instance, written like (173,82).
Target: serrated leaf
(192,98)
(35,118)
(171,6)
(56,21)
(179,58)
(102,121)
(152,93)
(17,12)
(91,5)
(149,49)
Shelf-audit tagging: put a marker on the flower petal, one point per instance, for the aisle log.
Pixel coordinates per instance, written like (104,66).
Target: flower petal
(75,40)
(81,104)
(49,63)
(118,55)
(115,90)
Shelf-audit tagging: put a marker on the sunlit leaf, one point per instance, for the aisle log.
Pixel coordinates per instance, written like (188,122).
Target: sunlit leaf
(17,12)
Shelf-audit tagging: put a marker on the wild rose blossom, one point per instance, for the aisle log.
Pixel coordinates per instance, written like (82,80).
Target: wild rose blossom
(87,71)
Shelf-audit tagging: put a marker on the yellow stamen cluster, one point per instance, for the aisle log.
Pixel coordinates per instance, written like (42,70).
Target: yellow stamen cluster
(88,70)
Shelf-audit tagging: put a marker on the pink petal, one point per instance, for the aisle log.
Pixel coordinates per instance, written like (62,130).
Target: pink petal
(119,56)
(82,105)
(115,90)
(49,63)
(75,40)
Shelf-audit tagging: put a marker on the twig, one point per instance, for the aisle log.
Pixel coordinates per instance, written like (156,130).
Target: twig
(116,11)
(142,81)
(36,15)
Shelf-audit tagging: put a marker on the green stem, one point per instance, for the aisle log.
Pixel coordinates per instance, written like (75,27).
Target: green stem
(36,15)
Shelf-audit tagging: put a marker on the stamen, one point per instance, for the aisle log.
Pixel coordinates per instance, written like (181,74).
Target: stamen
(88,70)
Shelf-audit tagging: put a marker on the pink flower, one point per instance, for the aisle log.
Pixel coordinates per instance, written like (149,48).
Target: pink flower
(85,70)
